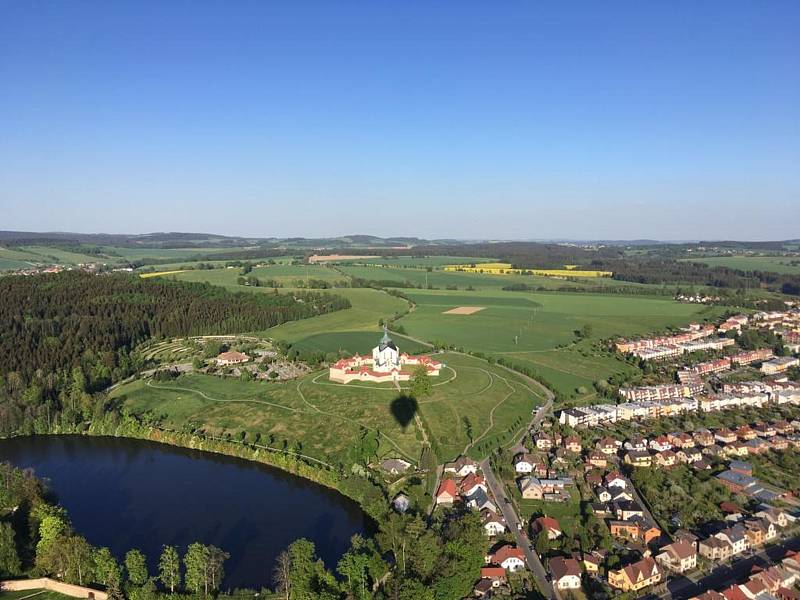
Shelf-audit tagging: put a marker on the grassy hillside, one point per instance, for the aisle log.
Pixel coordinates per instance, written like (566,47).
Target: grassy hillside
(325,417)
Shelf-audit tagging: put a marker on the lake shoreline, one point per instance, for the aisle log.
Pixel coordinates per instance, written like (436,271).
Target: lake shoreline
(151,492)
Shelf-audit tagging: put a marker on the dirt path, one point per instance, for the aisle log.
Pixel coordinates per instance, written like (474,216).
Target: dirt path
(354,422)
(212,399)
(491,412)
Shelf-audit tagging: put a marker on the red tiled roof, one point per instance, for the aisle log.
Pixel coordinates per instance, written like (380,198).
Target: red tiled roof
(507,552)
(546,524)
(447,486)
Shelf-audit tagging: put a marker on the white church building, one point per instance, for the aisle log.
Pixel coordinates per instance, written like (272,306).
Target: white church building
(386,364)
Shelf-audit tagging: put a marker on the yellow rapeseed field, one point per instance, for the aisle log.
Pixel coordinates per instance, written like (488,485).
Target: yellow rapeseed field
(499,268)
(157,273)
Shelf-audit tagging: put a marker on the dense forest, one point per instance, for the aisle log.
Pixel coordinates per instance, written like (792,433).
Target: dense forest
(69,334)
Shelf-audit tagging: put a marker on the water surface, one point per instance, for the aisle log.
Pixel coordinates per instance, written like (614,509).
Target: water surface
(125,493)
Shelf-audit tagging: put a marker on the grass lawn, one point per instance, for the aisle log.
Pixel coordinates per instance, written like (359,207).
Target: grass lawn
(775,264)
(541,322)
(326,417)
(37,594)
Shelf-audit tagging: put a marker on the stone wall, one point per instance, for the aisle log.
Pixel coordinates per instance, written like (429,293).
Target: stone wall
(45,583)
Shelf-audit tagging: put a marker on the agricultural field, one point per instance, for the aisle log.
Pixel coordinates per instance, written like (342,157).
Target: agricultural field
(470,398)
(286,275)
(499,268)
(441,279)
(539,329)
(774,264)
(415,261)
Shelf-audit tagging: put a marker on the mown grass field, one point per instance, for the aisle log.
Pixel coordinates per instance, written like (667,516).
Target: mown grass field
(326,417)
(415,261)
(463,280)
(528,328)
(775,264)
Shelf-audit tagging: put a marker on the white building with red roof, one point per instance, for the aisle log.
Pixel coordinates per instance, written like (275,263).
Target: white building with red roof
(387,363)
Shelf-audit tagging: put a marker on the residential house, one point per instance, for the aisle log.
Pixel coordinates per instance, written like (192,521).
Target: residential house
(497,575)
(548,525)
(597,459)
(530,488)
(462,466)
(447,493)
(714,548)
(480,500)
(638,458)
(608,446)
(543,441)
(591,563)
(573,444)
(725,436)
(524,462)
(745,433)
(667,458)
(484,589)
(638,443)
(615,479)
(566,573)
(736,536)
(509,557)
(493,524)
(776,516)
(660,444)
(471,484)
(636,576)
(625,509)
(759,531)
(689,455)
(703,438)
(679,557)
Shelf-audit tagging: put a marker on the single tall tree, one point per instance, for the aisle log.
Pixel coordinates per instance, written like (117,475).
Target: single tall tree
(136,566)
(169,568)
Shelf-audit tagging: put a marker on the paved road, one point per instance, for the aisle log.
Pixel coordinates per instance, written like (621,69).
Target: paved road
(512,520)
(723,576)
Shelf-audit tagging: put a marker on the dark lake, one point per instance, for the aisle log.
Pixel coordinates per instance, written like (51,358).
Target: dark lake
(127,494)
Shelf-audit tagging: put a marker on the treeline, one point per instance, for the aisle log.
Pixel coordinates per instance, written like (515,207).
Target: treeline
(37,539)
(438,560)
(661,271)
(70,334)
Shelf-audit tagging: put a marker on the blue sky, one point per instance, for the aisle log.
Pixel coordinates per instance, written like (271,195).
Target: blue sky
(668,120)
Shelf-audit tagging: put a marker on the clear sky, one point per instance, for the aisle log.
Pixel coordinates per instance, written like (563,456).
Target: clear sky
(668,120)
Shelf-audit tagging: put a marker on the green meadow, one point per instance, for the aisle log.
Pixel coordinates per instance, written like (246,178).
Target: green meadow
(473,406)
(539,329)
(775,264)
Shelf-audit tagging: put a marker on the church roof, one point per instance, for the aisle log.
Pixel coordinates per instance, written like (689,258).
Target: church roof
(386,341)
